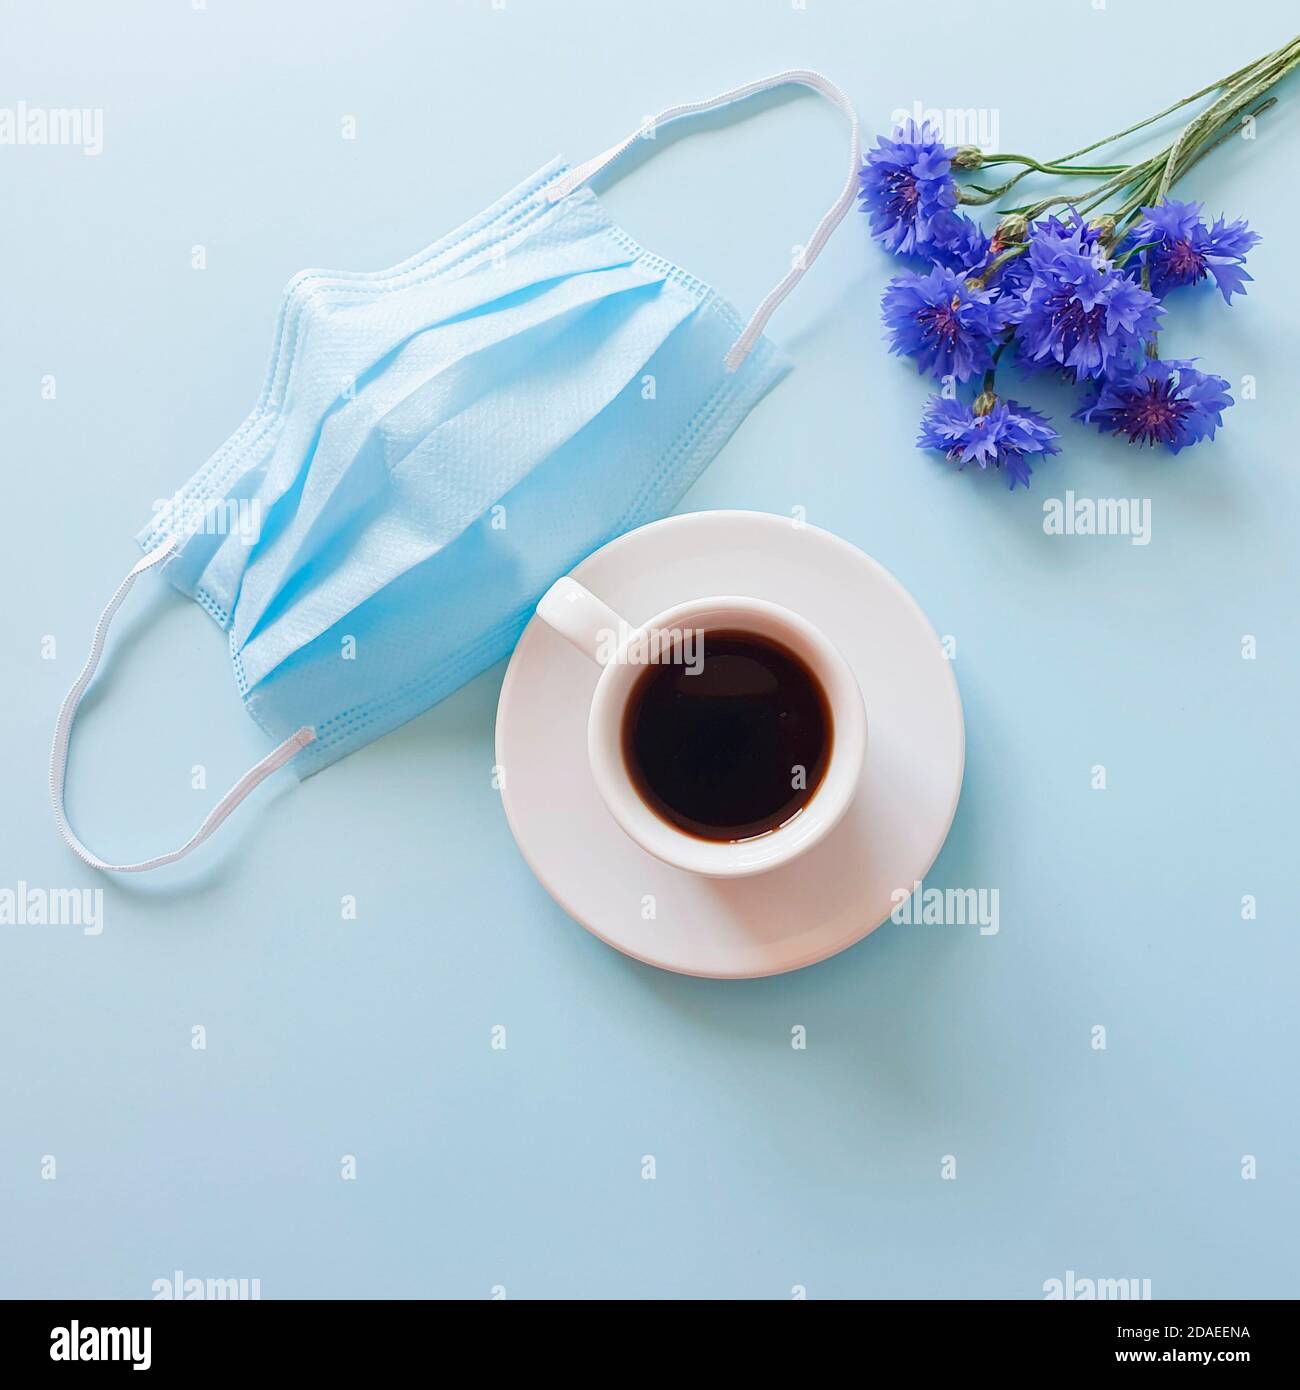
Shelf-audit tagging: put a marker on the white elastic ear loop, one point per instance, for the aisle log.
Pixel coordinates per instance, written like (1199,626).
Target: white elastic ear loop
(805,77)
(63,732)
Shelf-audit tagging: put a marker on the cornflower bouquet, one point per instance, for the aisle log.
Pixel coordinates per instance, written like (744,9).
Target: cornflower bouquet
(1071,284)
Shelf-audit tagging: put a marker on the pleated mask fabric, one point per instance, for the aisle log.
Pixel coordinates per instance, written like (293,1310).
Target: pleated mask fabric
(436,443)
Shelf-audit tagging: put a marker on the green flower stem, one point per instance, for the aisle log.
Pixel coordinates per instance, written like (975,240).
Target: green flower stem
(987,397)
(1151,179)
(974,195)
(1051,168)
(1232,129)
(989,195)
(1132,206)
(1139,174)
(1153,342)
(1147,189)
(1225,112)
(1223,82)
(1226,109)
(998,262)
(1224,116)
(1092,197)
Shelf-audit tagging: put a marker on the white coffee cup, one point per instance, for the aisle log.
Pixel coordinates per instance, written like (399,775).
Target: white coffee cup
(619,647)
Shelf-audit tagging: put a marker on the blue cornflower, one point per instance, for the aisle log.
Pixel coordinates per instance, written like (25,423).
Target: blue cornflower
(1157,402)
(944,320)
(1186,250)
(965,247)
(907,187)
(1080,312)
(1001,433)
(1050,236)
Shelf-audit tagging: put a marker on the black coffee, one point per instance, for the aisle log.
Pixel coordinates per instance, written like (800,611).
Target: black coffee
(730,746)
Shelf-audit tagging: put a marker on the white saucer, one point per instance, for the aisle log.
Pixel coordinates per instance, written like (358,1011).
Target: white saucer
(832,896)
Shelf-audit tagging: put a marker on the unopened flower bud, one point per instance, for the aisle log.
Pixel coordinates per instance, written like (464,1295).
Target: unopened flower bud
(1013,228)
(968,157)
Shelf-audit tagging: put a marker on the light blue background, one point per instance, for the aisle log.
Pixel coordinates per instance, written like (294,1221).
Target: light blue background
(522,1168)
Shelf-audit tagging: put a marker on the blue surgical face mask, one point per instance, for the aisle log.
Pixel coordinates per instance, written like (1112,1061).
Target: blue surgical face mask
(438,442)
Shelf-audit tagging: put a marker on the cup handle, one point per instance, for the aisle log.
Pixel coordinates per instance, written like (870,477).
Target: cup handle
(578,615)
